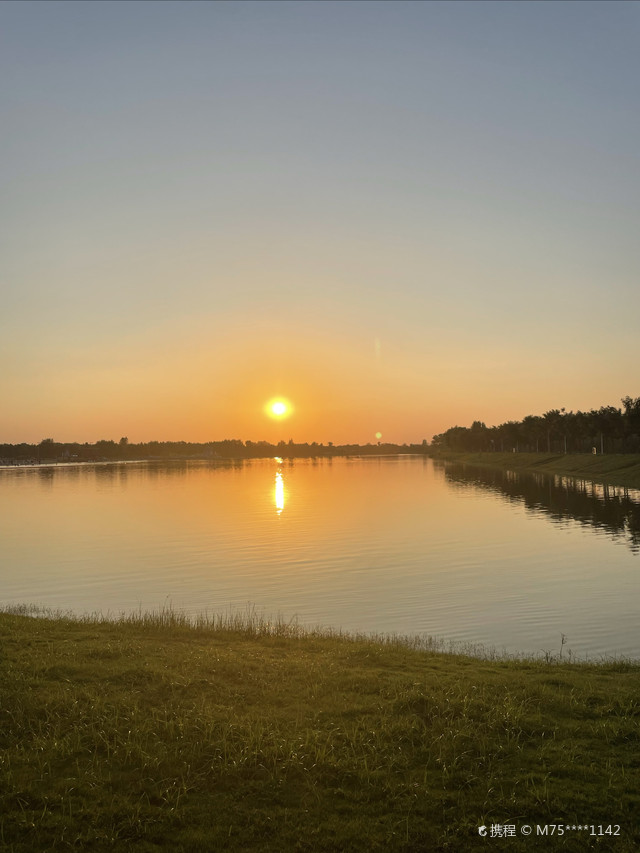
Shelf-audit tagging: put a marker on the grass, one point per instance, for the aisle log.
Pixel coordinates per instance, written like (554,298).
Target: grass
(622,469)
(152,733)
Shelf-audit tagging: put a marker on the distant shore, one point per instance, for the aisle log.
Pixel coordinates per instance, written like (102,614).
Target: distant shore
(150,733)
(50,452)
(216,460)
(610,469)
(621,469)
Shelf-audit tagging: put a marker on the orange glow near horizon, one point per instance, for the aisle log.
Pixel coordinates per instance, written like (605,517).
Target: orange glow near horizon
(333,386)
(170,286)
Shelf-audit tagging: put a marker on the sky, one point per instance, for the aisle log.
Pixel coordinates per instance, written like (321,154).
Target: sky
(399,216)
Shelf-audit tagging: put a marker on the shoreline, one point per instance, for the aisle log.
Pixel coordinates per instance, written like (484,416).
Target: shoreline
(244,736)
(252,623)
(208,459)
(609,469)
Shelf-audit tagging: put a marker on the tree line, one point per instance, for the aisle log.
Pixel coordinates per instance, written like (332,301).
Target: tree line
(107,450)
(607,429)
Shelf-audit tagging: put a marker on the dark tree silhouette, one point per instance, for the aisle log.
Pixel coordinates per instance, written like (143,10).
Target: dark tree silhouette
(608,429)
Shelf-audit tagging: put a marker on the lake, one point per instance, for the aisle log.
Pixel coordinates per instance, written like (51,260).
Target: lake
(397,544)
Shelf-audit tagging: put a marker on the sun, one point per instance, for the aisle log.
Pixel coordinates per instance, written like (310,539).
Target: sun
(278,408)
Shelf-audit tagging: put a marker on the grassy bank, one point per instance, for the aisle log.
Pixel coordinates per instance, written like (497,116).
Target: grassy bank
(615,470)
(151,735)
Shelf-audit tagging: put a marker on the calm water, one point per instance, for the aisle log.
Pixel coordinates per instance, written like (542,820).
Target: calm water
(395,544)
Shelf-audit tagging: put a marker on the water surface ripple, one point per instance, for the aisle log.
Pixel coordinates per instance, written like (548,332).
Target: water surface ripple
(393,544)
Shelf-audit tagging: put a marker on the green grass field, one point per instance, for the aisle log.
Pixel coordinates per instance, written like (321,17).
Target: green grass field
(615,469)
(150,734)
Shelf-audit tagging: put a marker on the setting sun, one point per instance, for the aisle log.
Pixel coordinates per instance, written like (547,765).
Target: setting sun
(278,408)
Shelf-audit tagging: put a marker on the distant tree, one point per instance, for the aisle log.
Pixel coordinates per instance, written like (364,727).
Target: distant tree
(581,431)
(631,424)
(608,425)
(533,430)
(47,449)
(502,435)
(478,438)
(552,419)
(512,430)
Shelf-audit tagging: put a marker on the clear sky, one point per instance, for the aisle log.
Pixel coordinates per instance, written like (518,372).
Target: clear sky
(401,216)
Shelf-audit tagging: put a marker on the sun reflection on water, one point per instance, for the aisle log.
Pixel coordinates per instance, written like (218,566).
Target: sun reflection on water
(279,493)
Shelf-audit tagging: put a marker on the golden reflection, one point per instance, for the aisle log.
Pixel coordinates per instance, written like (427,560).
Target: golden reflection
(279,494)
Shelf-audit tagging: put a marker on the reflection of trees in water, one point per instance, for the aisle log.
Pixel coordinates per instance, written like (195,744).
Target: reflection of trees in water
(117,473)
(609,508)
